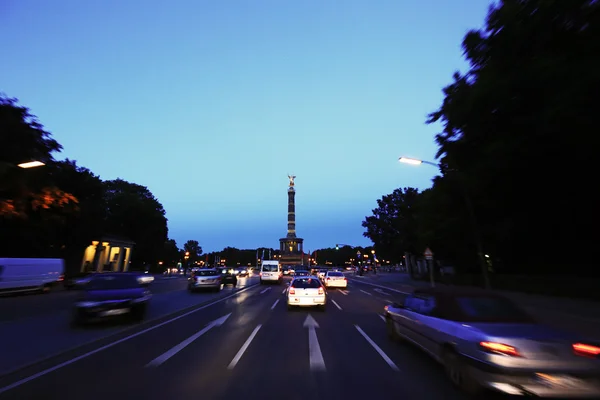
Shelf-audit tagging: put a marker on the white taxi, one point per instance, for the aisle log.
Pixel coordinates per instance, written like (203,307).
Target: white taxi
(306,291)
(335,279)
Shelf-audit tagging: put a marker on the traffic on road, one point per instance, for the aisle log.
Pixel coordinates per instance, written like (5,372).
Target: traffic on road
(296,338)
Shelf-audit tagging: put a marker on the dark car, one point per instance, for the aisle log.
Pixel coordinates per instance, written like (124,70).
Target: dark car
(110,295)
(228,277)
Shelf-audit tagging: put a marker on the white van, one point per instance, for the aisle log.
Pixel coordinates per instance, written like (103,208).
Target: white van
(30,274)
(270,271)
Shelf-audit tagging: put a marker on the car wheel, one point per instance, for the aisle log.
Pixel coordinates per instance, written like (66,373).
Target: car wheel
(290,307)
(459,376)
(321,307)
(261,282)
(391,331)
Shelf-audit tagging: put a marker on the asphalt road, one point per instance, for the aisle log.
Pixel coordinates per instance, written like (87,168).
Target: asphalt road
(247,346)
(33,335)
(20,306)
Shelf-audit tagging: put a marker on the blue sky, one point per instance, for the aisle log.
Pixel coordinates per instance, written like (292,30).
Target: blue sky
(210,104)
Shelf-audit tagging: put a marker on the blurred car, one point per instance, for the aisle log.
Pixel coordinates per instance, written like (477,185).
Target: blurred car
(113,294)
(242,272)
(485,341)
(206,278)
(228,277)
(321,273)
(335,279)
(306,291)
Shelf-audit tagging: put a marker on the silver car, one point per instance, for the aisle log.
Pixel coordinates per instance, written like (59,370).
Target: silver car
(205,279)
(485,342)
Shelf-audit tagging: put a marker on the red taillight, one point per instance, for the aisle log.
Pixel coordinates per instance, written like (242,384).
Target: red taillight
(292,290)
(321,290)
(499,348)
(586,350)
(61,278)
(327,279)
(260,274)
(346,279)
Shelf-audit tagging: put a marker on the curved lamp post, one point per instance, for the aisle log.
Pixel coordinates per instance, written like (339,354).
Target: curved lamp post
(471,211)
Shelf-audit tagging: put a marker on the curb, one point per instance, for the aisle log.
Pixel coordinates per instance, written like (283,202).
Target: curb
(121,331)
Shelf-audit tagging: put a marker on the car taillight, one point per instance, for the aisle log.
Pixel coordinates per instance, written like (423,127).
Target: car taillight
(346,279)
(292,290)
(586,350)
(260,274)
(499,348)
(321,290)
(327,279)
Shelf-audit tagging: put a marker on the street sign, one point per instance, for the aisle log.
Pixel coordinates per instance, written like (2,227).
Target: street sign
(428,254)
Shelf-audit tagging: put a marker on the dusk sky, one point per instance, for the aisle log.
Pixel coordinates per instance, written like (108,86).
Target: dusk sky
(210,104)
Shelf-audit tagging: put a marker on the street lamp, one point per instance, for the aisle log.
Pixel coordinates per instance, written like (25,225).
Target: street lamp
(471,211)
(31,164)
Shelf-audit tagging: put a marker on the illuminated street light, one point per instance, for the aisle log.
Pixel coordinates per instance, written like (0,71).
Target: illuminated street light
(31,164)
(469,204)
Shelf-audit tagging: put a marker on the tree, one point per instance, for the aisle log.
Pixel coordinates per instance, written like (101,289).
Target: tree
(527,102)
(133,212)
(171,253)
(194,249)
(22,139)
(392,227)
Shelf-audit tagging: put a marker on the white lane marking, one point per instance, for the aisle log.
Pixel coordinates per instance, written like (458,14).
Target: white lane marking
(317,363)
(378,349)
(171,352)
(244,347)
(344,292)
(381,291)
(382,318)
(108,346)
(382,287)
(274,304)
(336,304)
(266,290)
(365,292)
(284,291)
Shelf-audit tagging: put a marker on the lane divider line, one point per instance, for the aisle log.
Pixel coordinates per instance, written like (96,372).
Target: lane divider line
(378,349)
(265,290)
(336,304)
(365,292)
(243,349)
(275,304)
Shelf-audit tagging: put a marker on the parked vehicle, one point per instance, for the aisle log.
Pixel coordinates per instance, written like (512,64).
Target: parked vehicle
(30,274)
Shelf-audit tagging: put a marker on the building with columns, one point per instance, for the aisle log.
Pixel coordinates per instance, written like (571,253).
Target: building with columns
(291,247)
(109,254)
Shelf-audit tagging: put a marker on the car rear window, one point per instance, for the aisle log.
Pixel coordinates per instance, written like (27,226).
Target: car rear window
(491,309)
(270,268)
(210,272)
(335,274)
(113,282)
(307,283)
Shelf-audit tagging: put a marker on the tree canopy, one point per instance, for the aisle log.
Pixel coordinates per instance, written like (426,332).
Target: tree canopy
(58,209)
(518,140)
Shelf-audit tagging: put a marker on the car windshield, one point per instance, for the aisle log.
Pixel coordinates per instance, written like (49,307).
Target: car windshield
(335,274)
(306,283)
(270,268)
(491,309)
(301,272)
(113,282)
(207,272)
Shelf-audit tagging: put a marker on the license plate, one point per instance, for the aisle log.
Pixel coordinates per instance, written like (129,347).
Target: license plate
(114,312)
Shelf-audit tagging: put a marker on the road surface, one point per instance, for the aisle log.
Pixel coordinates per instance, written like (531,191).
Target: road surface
(248,346)
(39,327)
